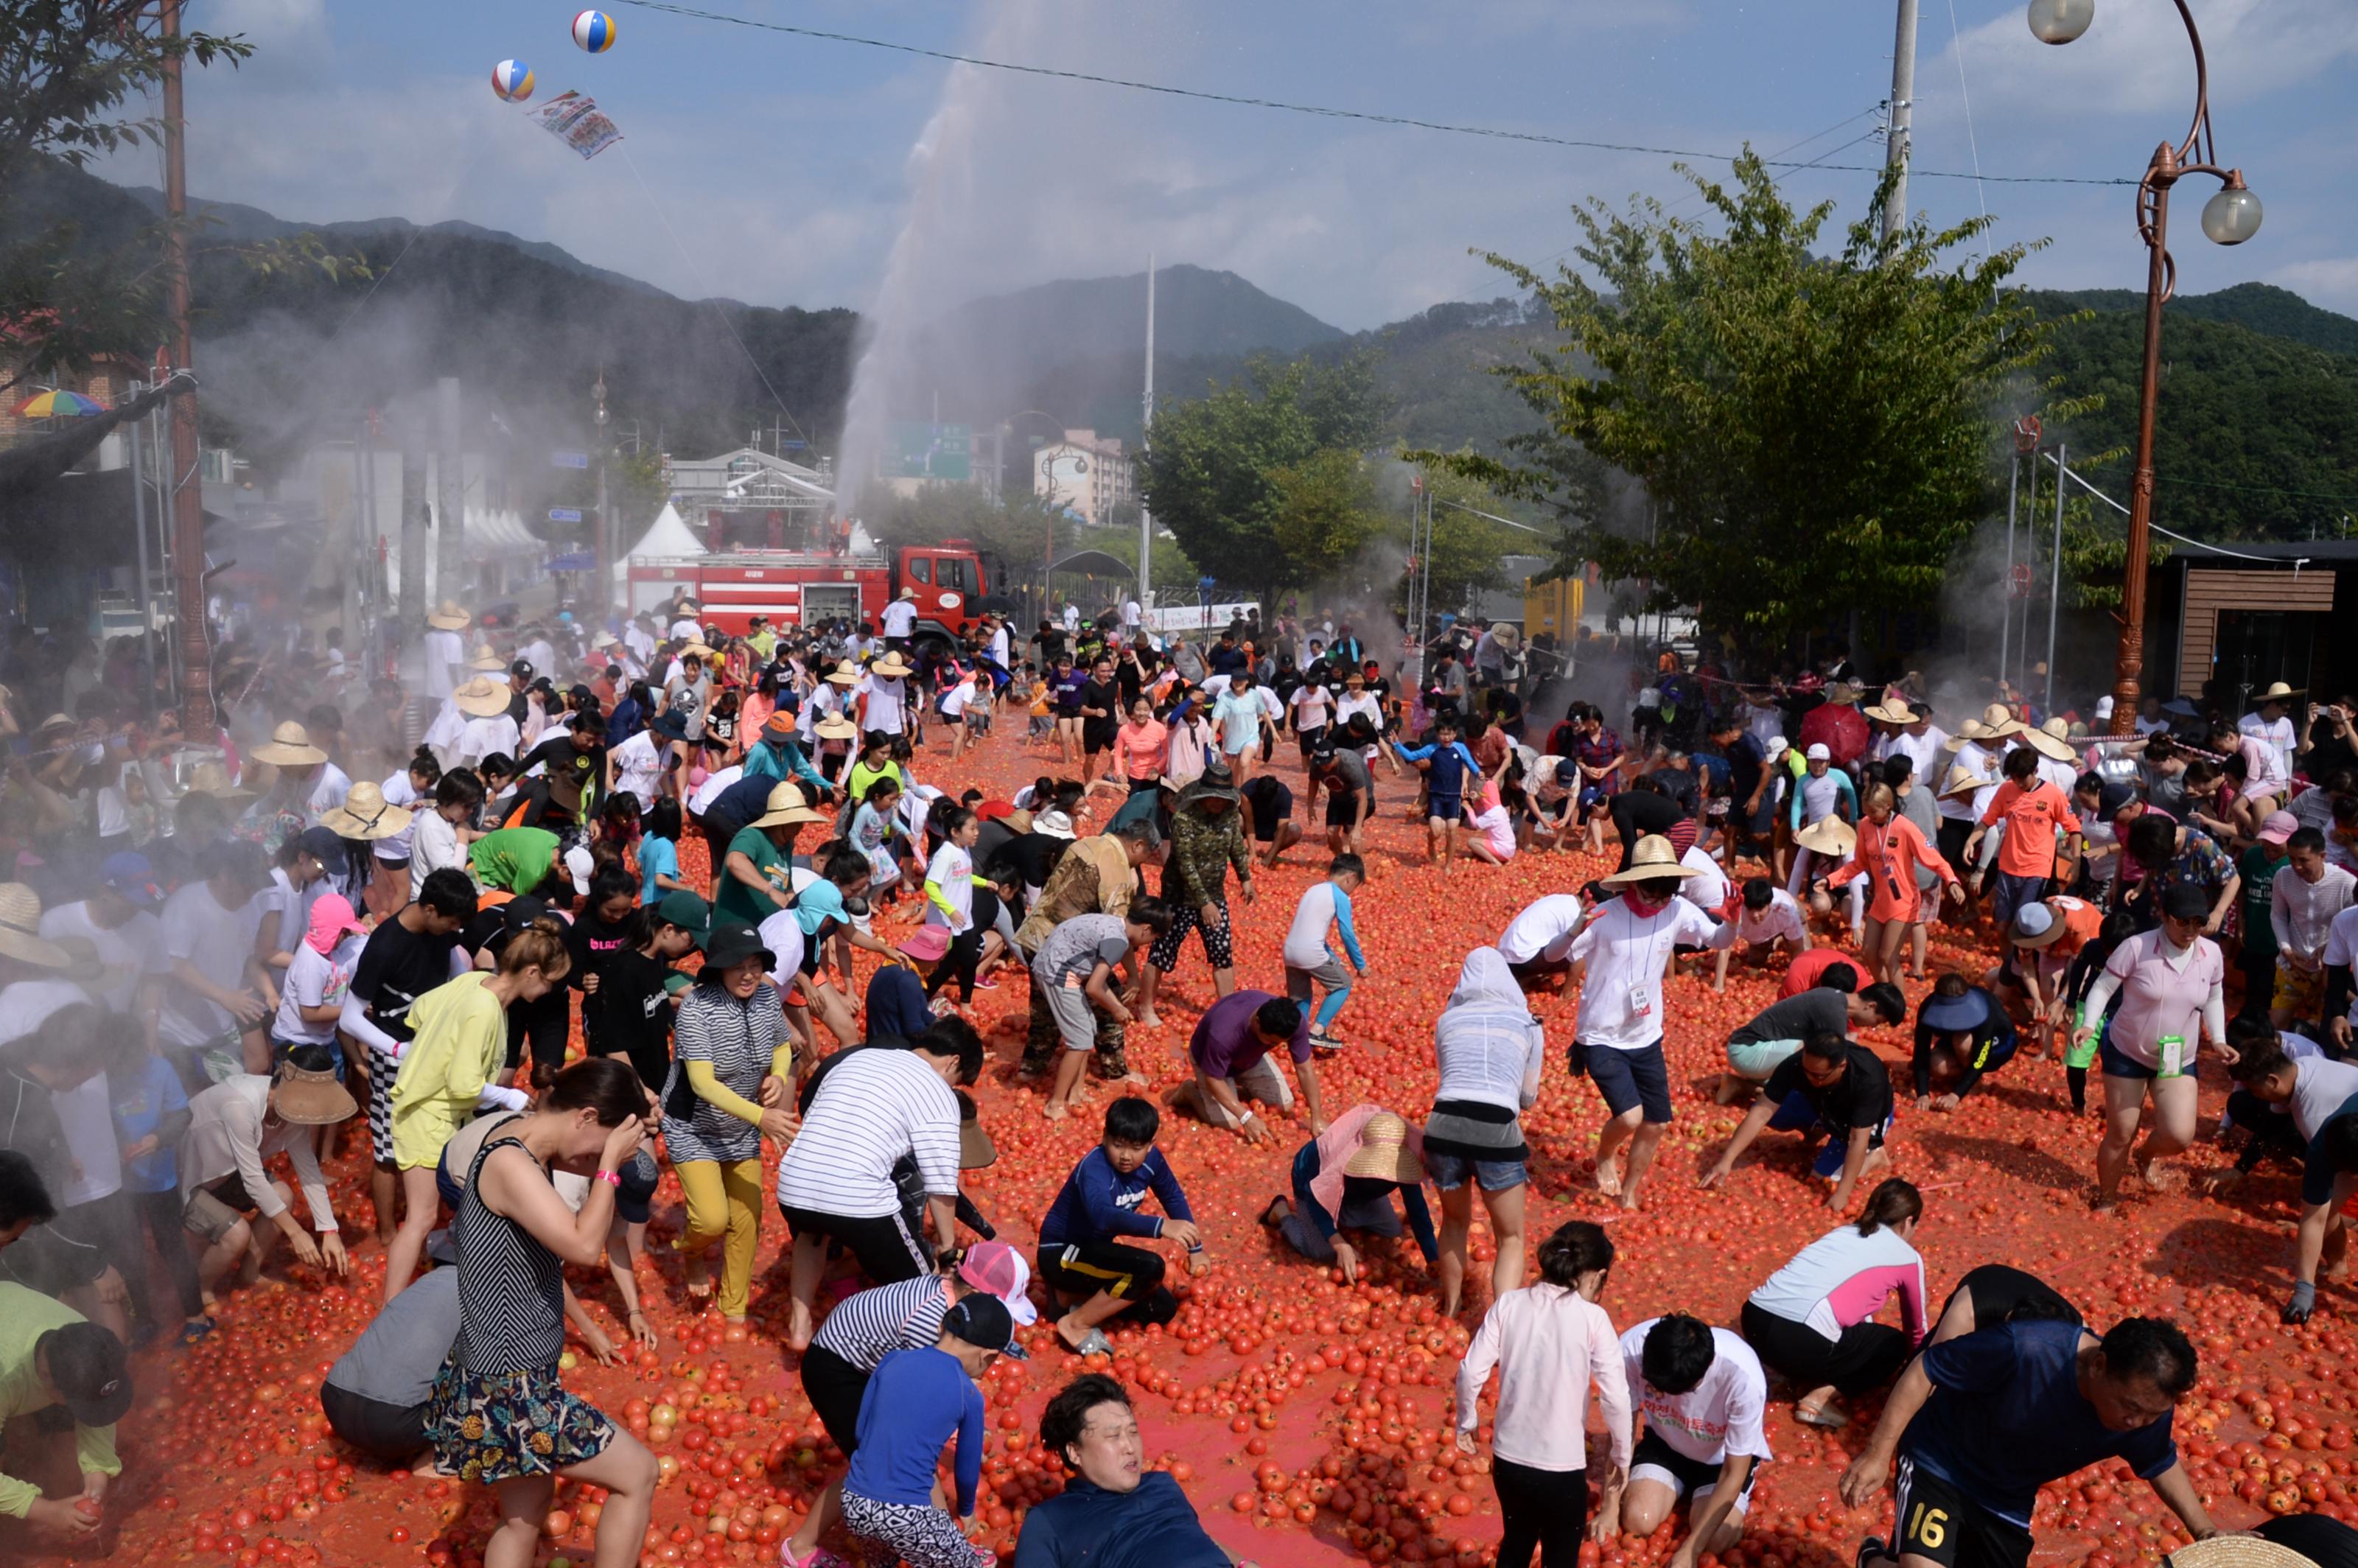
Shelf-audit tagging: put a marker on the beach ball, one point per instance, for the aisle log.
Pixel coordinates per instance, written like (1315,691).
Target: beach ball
(512,79)
(594,31)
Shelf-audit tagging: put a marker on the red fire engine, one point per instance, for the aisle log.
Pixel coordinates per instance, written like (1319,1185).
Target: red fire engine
(953,582)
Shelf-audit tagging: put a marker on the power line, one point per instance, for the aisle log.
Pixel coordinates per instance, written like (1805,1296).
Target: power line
(1323,111)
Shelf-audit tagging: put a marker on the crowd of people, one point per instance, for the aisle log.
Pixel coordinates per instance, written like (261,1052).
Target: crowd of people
(377,914)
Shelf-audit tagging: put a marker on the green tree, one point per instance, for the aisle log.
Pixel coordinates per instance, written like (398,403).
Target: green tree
(67,69)
(1324,513)
(1469,549)
(1023,534)
(1815,434)
(1210,474)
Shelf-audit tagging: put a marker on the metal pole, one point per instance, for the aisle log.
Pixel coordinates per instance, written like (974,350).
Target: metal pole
(2005,602)
(139,575)
(186,495)
(352,569)
(1146,434)
(2129,661)
(603,546)
(2055,574)
(450,498)
(1903,105)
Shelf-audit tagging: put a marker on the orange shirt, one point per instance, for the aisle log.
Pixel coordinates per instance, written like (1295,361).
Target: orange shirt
(2080,920)
(2032,816)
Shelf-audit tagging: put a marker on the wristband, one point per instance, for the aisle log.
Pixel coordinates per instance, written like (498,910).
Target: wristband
(612,1178)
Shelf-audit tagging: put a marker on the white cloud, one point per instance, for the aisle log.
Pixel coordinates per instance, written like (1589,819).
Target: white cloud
(2331,281)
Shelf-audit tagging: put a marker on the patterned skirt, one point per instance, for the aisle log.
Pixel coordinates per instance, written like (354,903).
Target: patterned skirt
(492,1429)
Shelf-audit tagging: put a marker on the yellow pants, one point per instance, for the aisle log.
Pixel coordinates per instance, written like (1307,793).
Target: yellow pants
(724,1200)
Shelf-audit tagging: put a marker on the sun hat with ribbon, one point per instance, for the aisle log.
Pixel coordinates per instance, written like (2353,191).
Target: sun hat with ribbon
(1891,713)
(1652,861)
(365,815)
(482,697)
(449,617)
(836,726)
(1962,780)
(785,809)
(1829,836)
(1998,721)
(212,779)
(843,675)
(1971,729)
(289,746)
(2050,739)
(487,659)
(891,667)
(1383,1153)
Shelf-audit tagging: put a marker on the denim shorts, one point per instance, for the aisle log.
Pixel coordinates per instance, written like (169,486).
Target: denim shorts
(1448,1172)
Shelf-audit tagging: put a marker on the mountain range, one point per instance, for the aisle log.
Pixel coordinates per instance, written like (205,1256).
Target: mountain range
(2259,413)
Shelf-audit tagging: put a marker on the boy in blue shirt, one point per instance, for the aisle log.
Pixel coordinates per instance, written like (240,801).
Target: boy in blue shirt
(1079,1257)
(917,1401)
(1447,767)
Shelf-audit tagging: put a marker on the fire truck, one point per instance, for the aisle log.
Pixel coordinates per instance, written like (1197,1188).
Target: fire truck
(953,582)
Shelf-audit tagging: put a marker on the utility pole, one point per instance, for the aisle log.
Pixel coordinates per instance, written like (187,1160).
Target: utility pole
(186,495)
(1146,432)
(450,498)
(139,577)
(353,537)
(603,546)
(1903,109)
(410,612)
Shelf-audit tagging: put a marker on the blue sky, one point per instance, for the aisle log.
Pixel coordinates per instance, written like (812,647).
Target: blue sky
(778,169)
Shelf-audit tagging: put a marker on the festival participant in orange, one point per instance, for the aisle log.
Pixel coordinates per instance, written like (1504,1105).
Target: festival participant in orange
(1888,851)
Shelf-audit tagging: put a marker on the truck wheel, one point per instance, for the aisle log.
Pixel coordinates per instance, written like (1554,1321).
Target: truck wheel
(936,644)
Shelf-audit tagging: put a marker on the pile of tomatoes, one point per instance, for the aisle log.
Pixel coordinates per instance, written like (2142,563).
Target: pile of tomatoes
(1311,1421)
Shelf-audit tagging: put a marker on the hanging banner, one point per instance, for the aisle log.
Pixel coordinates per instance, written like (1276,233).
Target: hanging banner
(579,123)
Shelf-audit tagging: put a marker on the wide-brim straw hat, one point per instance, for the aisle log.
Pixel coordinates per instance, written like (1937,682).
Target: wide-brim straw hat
(891,667)
(449,617)
(1888,715)
(487,658)
(365,815)
(836,726)
(1828,836)
(1652,861)
(975,1148)
(1998,721)
(2237,1551)
(20,929)
(1962,780)
(310,1099)
(2049,741)
(1383,1153)
(1842,692)
(1970,731)
(786,809)
(2277,691)
(605,640)
(212,779)
(482,697)
(289,747)
(843,675)
(704,651)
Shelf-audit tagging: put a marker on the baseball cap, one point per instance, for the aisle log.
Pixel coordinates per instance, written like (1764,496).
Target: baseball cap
(2185,900)
(984,1320)
(331,916)
(2115,795)
(91,1372)
(2279,826)
(522,670)
(996,1267)
(1818,753)
(680,907)
(131,874)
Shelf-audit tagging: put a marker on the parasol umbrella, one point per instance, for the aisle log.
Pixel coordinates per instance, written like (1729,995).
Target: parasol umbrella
(58,403)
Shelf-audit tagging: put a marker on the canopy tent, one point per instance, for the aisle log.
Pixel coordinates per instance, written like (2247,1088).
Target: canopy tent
(669,536)
(1091,563)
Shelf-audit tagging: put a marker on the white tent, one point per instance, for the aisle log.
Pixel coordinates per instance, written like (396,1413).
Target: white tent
(670,536)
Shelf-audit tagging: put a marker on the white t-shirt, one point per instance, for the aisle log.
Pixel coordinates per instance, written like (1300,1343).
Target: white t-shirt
(955,700)
(703,794)
(687,627)
(128,954)
(952,870)
(1311,704)
(2323,1087)
(1627,953)
(887,697)
(1719,1416)
(86,1114)
(1706,890)
(327,791)
(1546,928)
(1782,918)
(1496,826)
(445,652)
(314,979)
(2341,947)
(2279,736)
(435,846)
(1975,759)
(1305,939)
(399,791)
(900,617)
(216,942)
(639,767)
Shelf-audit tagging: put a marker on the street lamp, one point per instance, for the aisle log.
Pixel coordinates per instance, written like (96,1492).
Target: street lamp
(2230,218)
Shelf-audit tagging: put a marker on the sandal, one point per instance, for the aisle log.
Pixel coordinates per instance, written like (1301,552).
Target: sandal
(197,1330)
(1821,1417)
(1277,1211)
(1093,1343)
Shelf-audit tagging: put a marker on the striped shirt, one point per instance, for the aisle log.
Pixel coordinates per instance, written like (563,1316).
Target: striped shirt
(865,1328)
(875,1108)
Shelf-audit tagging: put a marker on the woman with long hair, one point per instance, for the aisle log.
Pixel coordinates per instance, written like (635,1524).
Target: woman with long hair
(1888,851)
(499,1415)
(449,1071)
(1491,1049)
(1814,1321)
(1550,1342)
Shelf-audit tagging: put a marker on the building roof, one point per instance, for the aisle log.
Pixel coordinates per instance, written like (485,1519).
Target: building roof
(747,478)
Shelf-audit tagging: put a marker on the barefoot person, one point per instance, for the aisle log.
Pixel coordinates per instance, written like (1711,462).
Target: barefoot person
(1076,970)
(1490,1051)
(1093,1276)
(1701,1393)
(1626,951)
(2170,981)
(1759,1048)
(1888,852)
(1230,1052)
(1344,1180)
(1830,1086)
(1814,1321)
(1962,1034)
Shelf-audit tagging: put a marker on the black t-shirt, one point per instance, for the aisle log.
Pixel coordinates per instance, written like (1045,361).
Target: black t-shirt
(1130,675)
(571,771)
(1860,1097)
(1034,855)
(1638,812)
(1743,769)
(637,1012)
(2328,753)
(592,944)
(399,965)
(1105,696)
(741,802)
(1271,800)
(1682,789)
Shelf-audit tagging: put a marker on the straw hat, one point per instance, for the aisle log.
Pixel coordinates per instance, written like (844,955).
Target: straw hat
(1899,713)
(1828,836)
(1383,1153)
(2277,692)
(449,617)
(365,815)
(836,726)
(786,809)
(908,596)
(20,929)
(843,675)
(1998,721)
(2050,739)
(1962,780)
(1842,692)
(310,1099)
(481,697)
(891,667)
(703,653)
(486,657)
(605,640)
(289,747)
(2237,1551)
(1970,730)
(212,779)
(1652,861)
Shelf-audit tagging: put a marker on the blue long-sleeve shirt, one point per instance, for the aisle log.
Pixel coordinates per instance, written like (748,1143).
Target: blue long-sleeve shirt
(1151,1525)
(1098,1202)
(1307,1166)
(1452,765)
(1344,929)
(914,1402)
(783,761)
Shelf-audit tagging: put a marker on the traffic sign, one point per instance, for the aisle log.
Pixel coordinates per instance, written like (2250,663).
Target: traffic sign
(565,514)
(792,446)
(2018,581)
(568,459)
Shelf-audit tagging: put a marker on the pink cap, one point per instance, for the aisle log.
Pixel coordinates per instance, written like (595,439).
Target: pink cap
(331,916)
(996,1267)
(2279,826)
(927,944)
